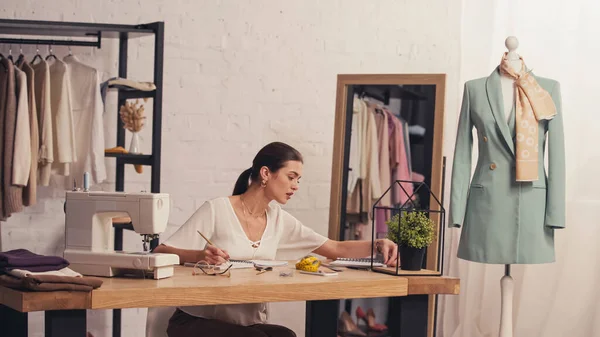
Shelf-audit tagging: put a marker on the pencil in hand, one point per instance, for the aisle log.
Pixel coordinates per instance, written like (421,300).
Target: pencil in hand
(205,238)
(213,249)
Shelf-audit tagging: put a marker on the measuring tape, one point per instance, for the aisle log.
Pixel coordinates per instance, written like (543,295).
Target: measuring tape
(309,263)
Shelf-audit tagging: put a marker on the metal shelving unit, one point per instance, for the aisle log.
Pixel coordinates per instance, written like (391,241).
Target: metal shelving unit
(92,35)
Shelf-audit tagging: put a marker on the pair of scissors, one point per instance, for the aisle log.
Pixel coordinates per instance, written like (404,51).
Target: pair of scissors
(262,269)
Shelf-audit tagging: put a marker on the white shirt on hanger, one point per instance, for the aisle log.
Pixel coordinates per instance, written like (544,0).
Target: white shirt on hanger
(62,119)
(22,152)
(88,123)
(355,144)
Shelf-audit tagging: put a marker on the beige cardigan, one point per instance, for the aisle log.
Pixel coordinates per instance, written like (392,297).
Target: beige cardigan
(44,114)
(361,203)
(30,191)
(12,195)
(22,153)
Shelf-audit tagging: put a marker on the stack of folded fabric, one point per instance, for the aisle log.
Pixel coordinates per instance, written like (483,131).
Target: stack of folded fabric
(24,270)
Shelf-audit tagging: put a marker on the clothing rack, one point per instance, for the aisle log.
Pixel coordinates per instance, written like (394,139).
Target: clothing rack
(95,32)
(53,42)
(383,93)
(383,96)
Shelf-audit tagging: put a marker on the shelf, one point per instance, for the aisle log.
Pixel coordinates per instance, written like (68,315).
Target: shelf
(135,94)
(93,35)
(136,159)
(72,29)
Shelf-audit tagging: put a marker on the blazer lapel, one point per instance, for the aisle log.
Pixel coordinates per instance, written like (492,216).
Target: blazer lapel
(494,94)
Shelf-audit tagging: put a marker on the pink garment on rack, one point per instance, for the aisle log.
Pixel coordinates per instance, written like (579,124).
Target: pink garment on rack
(385,172)
(399,171)
(399,163)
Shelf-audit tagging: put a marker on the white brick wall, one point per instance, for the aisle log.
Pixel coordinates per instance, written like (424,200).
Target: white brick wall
(239,74)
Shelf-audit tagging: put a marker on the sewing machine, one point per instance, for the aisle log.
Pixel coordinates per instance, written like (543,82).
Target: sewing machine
(90,235)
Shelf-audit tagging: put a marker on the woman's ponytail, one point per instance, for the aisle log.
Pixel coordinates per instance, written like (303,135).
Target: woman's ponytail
(241,185)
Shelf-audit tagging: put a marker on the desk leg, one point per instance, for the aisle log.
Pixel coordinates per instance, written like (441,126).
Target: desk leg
(408,316)
(321,318)
(65,323)
(14,323)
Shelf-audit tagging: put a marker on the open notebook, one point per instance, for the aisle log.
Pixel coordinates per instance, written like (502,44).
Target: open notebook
(362,262)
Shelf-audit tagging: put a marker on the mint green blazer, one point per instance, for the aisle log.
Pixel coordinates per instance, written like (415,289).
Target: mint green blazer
(504,221)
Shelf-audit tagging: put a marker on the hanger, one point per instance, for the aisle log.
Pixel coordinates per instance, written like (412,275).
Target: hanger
(2,63)
(10,57)
(21,55)
(50,54)
(70,53)
(9,54)
(37,55)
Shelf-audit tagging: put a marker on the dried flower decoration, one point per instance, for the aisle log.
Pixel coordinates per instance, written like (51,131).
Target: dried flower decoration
(132,116)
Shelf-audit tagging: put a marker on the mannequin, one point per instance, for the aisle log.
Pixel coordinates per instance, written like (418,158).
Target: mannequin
(508,96)
(511,206)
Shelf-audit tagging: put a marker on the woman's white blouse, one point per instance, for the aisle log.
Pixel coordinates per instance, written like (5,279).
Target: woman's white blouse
(217,220)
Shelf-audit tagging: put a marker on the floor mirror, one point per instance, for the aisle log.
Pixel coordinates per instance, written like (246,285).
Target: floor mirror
(388,127)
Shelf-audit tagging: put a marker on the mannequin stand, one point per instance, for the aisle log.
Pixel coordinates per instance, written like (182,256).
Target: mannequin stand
(506,283)
(506,286)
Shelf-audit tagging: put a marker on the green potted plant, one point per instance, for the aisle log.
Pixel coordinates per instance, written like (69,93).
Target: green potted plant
(413,232)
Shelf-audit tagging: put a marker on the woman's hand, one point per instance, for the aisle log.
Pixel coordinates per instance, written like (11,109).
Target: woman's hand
(388,249)
(214,255)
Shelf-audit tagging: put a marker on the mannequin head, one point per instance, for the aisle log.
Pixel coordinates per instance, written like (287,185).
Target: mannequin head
(511,44)
(514,59)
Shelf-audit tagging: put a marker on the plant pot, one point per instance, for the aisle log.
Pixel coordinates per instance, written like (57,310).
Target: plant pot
(411,258)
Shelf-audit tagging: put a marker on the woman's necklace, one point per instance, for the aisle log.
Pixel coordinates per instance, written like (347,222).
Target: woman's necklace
(255,244)
(248,209)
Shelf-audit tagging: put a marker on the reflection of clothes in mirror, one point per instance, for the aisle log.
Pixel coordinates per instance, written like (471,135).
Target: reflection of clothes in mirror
(407,143)
(399,164)
(355,146)
(369,162)
(385,175)
(379,147)
(361,200)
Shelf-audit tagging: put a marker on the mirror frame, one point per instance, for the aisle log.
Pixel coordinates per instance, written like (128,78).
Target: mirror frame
(339,144)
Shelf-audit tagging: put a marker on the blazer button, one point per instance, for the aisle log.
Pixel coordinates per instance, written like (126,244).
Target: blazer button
(485,139)
(493,166)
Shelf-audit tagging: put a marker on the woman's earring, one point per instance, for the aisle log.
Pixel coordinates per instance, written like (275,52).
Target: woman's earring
(263,183)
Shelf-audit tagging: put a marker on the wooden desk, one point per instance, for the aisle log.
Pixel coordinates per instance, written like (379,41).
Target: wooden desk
(244,286)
